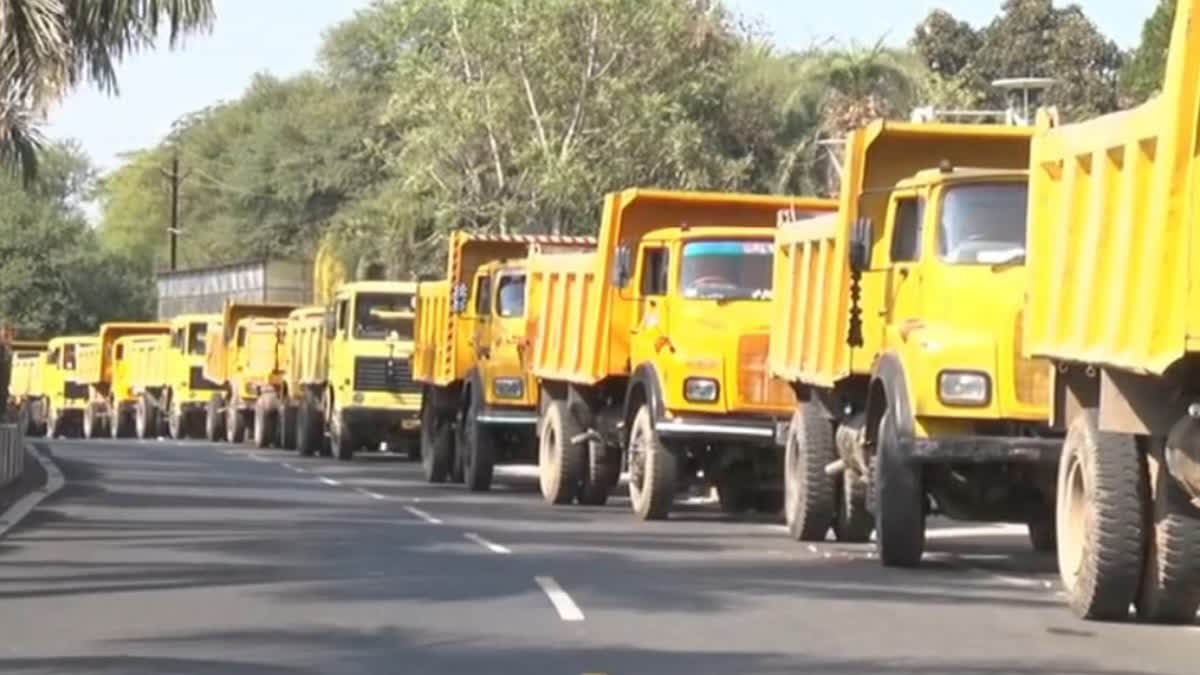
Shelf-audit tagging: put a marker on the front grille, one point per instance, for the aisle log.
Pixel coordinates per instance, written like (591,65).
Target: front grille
(379,373)
(75,390)
(197,381)
(756,387)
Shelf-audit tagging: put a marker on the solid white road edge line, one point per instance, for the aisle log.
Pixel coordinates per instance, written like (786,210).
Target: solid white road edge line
(491,546)
(54,482)
(422,515)
(329,481)
(563,604)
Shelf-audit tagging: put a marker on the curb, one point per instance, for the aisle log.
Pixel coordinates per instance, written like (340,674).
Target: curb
(18,511)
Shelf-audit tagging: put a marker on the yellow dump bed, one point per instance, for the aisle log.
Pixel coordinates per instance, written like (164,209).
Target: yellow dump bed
(96,360)
(140,364)
(221,348)
(308,349)
(1113,239)
(27,375)
(443,352)
(581,323)
(810,315)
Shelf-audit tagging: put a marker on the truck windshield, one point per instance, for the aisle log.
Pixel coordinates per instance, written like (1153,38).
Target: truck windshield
(377,315)
(510,296)
(726,270)
(197,338)
(983,224)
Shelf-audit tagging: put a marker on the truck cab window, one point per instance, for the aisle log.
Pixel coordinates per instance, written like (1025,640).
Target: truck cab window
(52,356)
(343,316)
(197,342)
(906,231)
(483,296)
(241,336)
(177,339)
(655,262)
(510,296)
(69,357)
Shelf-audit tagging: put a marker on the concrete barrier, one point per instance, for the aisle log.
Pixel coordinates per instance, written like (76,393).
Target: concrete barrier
(12,453)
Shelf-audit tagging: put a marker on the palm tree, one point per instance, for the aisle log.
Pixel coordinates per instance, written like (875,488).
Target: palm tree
(858,84)
(49,47)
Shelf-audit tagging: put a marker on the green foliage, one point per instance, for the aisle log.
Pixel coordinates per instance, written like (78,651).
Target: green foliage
(54,277)
(1030,38)
(1144,71)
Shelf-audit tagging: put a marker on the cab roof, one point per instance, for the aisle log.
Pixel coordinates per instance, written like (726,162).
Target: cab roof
(689,233)
(378,287)
(187,319)
(964,175)
(72,339)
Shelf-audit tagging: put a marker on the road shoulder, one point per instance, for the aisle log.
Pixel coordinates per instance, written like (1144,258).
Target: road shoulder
(41,479)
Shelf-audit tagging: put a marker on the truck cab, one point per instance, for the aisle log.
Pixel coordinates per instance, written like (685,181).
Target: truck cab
(65,395)
(188,390)
(370,396)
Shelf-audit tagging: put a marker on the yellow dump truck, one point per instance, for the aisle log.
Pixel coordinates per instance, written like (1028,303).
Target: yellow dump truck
(110,409)
(246,358)
(480,401)
(138,385)
(26,384)
(651,351)
(898,322)
(188,390)
(1115,304)
(350,372)
(64,395)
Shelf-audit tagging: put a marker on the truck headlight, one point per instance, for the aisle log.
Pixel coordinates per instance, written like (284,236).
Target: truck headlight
(508,387)
(964,388)
(700,389)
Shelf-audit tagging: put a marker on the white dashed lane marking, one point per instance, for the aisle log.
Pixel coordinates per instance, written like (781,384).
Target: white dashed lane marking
(563,604)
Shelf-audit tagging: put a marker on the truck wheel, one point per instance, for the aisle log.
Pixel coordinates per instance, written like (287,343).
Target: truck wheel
(560,462)
(810,504)
(342,438)
(145,422)
(265,421)
(1042,534)
(900,515)
(653,470)
(287,436)
(437,441)
(214,419)
(854,523)
(1099,517)
(91,426)
(308,431)
(477,443)
(235,421)
(1170,589)
(603,473)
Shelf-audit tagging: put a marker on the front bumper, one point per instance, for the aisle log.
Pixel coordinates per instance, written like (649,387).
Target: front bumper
(725,427)
(984,450)
(389,419)
(508,417)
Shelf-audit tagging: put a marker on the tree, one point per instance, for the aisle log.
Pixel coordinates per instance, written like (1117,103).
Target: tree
(1030,38)
(1144,71)
(48,47)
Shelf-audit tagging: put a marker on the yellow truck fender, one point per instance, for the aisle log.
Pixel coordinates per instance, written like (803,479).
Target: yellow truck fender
(645,386)
(890,387)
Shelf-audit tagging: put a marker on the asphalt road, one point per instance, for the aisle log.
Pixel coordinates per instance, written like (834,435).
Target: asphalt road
(164,557)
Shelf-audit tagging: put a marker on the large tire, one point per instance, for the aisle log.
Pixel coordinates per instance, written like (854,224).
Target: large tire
(1100,519)
(653,469)
(310,434)
(603,474)
(265,420)
(477,444)
(437,442)
(854,522)
(214,419)
(286,433)
(235,422)
(900,494)
(810,503)
(1170,588)
(342,437)
(92,428)
(561,463)
(146,418)
(121,423)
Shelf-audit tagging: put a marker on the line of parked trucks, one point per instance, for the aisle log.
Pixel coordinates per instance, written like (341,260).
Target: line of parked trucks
(991,323)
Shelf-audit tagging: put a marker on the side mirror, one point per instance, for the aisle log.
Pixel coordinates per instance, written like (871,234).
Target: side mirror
(330,325)
(622,267)
(861,238)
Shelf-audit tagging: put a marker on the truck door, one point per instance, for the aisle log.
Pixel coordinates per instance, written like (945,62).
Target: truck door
(653,281)
(482,316)
(902,289)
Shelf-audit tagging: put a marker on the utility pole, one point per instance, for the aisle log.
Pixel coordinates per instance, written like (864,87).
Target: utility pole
(173,229)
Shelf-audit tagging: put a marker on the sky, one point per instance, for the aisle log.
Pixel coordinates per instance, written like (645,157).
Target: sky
(283,36)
